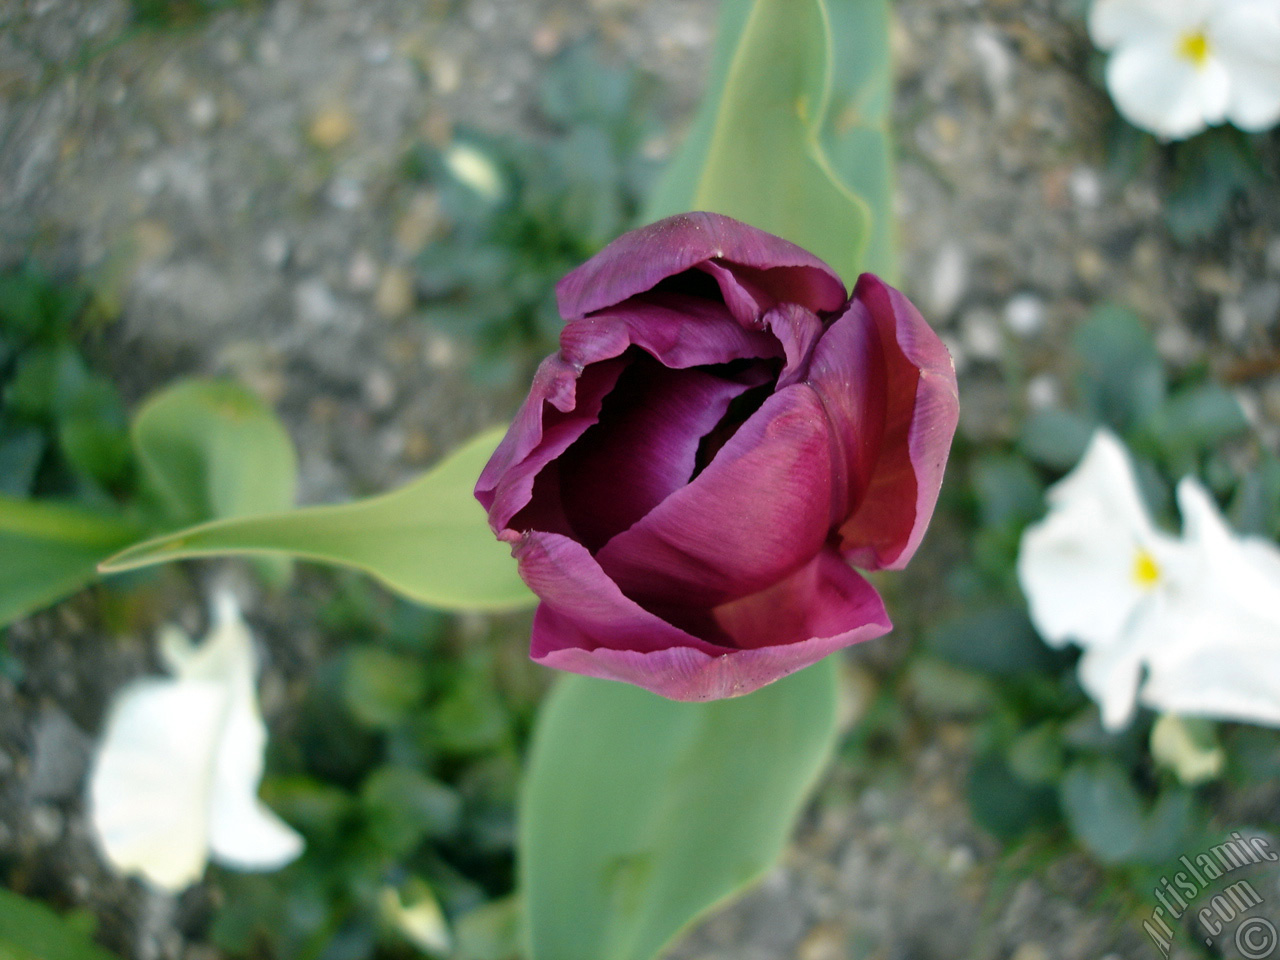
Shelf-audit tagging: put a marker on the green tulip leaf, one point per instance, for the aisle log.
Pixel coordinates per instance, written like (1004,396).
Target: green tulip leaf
(856,135)
(31,931)
(640,813)
(428,540)
(52,550)
(211,449)
(792,136)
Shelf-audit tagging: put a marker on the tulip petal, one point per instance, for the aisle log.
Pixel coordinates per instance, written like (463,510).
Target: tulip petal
(677,329)
(922,407)
(562,404)
(582,607)
(823,607)
(649,432)
(799,331)
(758,512)
(640,260)
(824,598)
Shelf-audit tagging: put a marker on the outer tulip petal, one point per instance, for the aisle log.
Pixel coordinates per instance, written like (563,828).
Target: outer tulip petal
(677,329)
(640,260)
(582,607)
(755,515)
(825,597)
(922,407)
(644,447)
(563,403)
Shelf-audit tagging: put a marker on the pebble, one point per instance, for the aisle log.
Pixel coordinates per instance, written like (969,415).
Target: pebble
(60,753)
(203,112)
(362,272)
(331,127)
(1031,951)
(418,224)
(315,303)
(439,352)
(379,390)
(948,281)
(1233,322)
(45,824)
(1043,392)
(394,297)
(980,333)
(274,249)
(1024,314)
(345,193)
(1085,185)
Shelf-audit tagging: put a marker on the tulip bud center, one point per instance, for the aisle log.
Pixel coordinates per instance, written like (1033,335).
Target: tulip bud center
(1193,46)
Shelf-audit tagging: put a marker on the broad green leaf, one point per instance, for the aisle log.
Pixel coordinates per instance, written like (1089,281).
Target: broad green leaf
(640,813)
(427,540)
(31,931)
(792,134)
(1104,810)
(51,550)
(211,449)
(1122,380)
(856,136)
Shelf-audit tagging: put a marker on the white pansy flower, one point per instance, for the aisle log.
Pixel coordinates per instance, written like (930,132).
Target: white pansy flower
(1178,66)
(1220,655)
(175,780)
(1092,572)
(1200,616)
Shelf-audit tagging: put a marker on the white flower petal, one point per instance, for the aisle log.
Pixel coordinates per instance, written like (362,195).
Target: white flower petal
(177,774)
(1157,90)
(242,832)
(1114,21)
(149,789)
(1077,566)
(1109,673)
(1219,649)
(1245,36)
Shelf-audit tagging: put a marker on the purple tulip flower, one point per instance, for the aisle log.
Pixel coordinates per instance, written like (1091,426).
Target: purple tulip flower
(721,436)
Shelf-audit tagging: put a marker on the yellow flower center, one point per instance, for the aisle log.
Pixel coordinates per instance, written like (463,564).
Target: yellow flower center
(1146,572)
(1193,46)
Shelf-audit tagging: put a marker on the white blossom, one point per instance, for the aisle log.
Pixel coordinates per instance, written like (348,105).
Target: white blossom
(1178,66)
(1199,616)
(176,777)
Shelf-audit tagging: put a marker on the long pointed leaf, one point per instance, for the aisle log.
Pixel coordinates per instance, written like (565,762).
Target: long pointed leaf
(428,540)
(640,813)
(793,134)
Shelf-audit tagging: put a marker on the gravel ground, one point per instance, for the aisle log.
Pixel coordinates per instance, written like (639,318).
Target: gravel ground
(235,189)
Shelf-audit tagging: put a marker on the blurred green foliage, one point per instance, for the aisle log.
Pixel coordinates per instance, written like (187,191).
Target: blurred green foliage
(1046,774)
(63,430)
(524,212)
(400,767)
